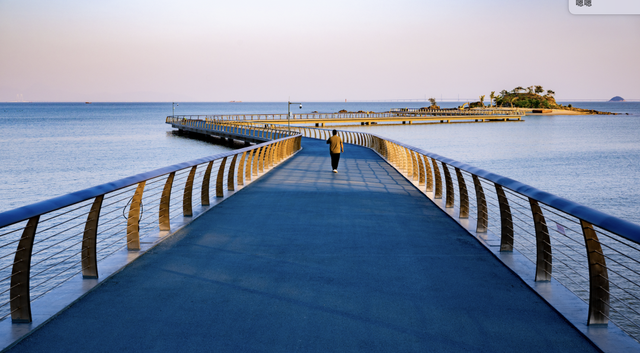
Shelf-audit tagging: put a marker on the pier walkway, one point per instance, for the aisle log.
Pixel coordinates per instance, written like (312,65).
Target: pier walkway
(303,259)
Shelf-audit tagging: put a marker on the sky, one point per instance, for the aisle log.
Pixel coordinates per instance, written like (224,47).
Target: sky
(330,50)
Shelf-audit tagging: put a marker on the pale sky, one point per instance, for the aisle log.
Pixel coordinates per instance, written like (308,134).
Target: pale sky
(330,50)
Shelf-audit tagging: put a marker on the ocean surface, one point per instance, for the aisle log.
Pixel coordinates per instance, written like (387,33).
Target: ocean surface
(50,149)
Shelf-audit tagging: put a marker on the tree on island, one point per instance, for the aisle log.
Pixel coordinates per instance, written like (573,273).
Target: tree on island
(530,98)
(538,89)
(519,97)
(527,98)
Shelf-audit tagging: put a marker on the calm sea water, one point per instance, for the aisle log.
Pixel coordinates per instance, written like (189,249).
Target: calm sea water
(50,149)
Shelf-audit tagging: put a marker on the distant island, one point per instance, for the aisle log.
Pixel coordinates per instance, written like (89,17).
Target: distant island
(536,98)
(616,99)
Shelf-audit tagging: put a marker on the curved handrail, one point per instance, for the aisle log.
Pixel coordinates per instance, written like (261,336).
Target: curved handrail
(621,227)
(236,167)
(23,213)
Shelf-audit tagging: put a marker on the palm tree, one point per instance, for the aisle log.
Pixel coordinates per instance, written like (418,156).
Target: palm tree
(432,101)
(550,93)
(482,100)
(492,96)
(518,89)
(530,90)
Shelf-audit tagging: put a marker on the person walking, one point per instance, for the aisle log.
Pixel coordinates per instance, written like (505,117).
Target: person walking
(335,148)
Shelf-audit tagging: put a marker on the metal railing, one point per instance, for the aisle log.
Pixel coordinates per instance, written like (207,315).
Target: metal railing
(46,244)
(247,129)
(353,115)
(480,111)
(594,255)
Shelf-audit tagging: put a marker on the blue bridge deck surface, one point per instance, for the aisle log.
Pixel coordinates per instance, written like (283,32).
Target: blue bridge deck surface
(307,260)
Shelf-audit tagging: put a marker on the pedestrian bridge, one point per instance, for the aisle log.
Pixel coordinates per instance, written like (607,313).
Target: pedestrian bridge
(403,116)
(393,253)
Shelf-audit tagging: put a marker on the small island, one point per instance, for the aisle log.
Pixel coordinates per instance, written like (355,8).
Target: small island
(534,99)
(616,99)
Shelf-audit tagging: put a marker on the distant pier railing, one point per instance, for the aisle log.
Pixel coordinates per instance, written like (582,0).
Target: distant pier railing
(247,132)
(394,115)
(593,254)
(46,244)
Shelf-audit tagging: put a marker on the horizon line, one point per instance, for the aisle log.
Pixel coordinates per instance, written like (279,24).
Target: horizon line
(407,100)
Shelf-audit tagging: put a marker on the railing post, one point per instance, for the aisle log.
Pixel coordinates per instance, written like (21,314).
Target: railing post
(255,162)
(438,180)
(450,196)
(384,149)
(263,159)
(231,176)
(247,171)
(393,154)
(280,152)
(421,174)
(241,169)
(220,178)
(133,221)
(187,209)
(266,158)
(408,162)
(428,175)
(414,164)
(481,206)
(19,295)
(464,195)
(506,222)
(543,243)
(276,153)
(89,256)
(270,153)
(401,158)
(204,191)
(165,203)
(598,277)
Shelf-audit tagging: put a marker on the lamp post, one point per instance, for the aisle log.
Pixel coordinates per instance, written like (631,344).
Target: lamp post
(289,113)
(173,107)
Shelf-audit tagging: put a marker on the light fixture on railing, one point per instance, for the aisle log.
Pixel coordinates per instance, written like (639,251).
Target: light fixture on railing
(289,113)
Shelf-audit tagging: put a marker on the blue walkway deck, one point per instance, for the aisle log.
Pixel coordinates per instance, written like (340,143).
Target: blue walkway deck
(307,260)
